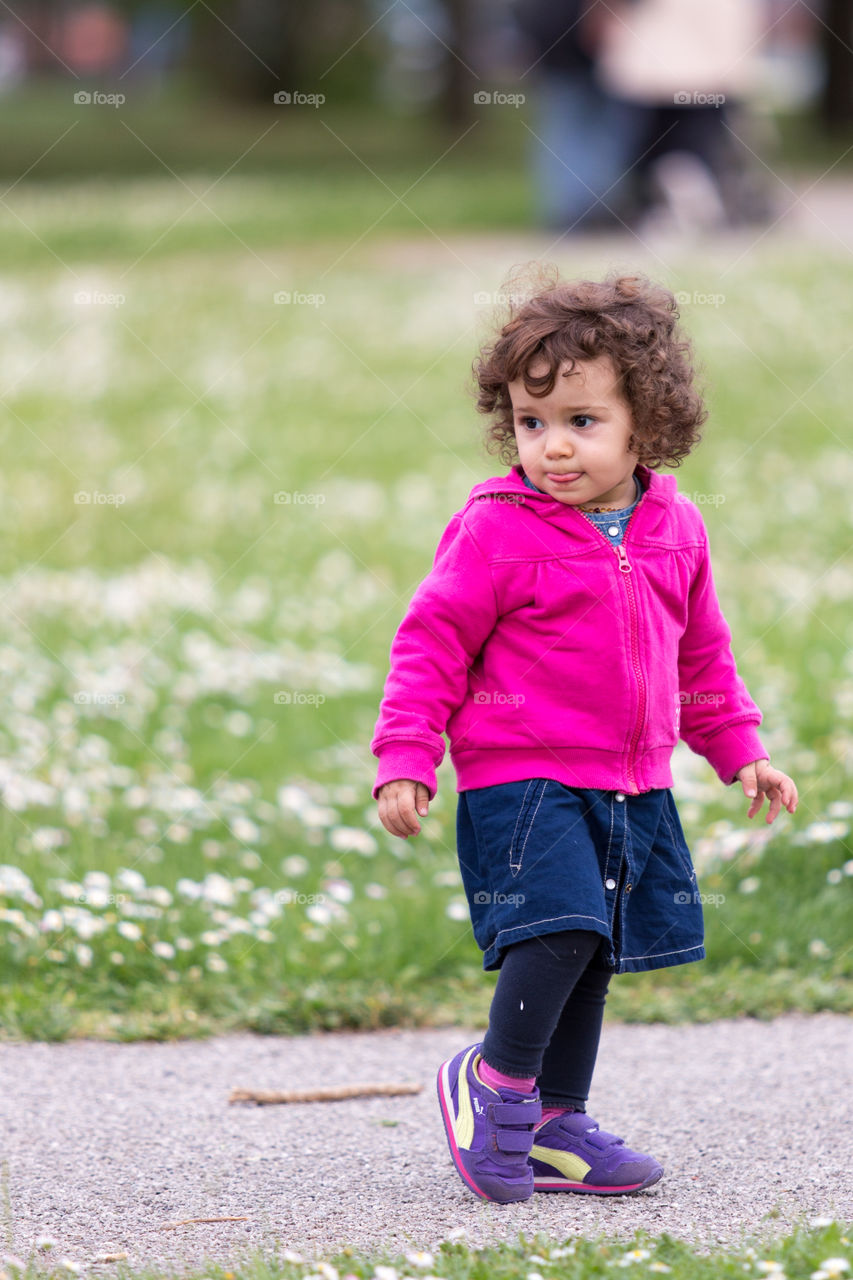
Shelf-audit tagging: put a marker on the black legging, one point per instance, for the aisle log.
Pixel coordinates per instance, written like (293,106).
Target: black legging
(546,1015)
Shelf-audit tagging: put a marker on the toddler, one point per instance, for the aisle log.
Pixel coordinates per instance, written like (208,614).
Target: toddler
(568,634)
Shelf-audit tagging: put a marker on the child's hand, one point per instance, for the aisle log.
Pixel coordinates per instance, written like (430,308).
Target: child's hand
(397,804)
(759,779)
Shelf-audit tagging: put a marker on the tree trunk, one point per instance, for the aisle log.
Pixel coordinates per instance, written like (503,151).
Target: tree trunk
(252,49)
(246,49)
(836,106)
(457,101)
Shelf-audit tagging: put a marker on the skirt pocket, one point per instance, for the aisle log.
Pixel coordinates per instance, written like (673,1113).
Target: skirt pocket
(526,817)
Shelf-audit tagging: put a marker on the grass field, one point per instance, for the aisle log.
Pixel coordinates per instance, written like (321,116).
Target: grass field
(215,507)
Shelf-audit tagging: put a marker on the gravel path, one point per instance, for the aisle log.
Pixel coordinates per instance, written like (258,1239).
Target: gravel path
(104,1145)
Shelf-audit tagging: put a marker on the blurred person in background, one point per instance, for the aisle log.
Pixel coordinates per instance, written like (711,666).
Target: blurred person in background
(586,139)
(91,39)
(13,57)
(158,38)
(639,112)
(686,70)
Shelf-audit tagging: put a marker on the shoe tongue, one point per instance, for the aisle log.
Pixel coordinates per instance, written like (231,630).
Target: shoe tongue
(515,1095)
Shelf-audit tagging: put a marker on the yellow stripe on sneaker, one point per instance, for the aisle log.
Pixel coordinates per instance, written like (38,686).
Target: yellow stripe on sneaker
(571,1167)
(463,1124)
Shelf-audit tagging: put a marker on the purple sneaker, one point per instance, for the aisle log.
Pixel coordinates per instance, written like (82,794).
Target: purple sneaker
(571,1153)
(489,1131)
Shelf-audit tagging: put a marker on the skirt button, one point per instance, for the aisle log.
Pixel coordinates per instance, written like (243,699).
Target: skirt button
(620,796)
(610,883)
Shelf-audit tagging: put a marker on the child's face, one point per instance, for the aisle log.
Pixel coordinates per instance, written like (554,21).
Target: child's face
(573,443)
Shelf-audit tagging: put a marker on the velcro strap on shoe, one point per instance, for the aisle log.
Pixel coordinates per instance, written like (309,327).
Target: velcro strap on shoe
(514,1140)
(601,1140)
(515,1112)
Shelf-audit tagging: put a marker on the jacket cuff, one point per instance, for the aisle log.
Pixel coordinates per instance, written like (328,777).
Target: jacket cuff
(406,761)
(730,749)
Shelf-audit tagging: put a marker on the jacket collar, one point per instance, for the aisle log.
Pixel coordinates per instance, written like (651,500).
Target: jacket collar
(659,491)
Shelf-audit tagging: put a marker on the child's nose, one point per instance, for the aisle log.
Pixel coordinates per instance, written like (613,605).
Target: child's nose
(558,445)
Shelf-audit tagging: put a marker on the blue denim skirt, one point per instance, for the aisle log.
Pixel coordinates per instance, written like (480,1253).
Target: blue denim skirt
(538,857)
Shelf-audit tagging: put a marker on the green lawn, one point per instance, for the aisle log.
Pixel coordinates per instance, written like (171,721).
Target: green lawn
(190,667)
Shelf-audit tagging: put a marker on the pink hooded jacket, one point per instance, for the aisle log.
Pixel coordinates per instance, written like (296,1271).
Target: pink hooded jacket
(543,650)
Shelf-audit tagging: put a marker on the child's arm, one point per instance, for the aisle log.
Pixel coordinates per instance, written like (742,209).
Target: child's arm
(719,720)
(448,621)
(759,779)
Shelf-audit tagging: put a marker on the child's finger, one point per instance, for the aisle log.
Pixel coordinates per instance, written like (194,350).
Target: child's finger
(406,810)
(789,793)
(389,818)
(775,797)
(422,799)
(782,792)
(756,805)
(748,782)
(388,822)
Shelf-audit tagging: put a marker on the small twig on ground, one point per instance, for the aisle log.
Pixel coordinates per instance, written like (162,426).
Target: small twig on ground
(333,1093)
(170,1226)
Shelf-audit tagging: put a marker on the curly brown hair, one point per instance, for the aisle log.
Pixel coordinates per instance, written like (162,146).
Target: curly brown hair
(628,318)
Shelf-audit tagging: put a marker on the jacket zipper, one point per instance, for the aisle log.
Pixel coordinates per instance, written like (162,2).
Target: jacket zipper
(625,568)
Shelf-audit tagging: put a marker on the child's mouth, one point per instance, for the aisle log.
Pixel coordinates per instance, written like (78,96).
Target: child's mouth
(564,477)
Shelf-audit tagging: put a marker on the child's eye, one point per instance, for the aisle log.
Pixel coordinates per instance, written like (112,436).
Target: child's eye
(582,419)
(531,423)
